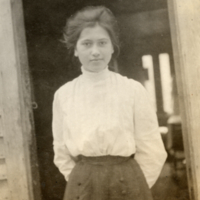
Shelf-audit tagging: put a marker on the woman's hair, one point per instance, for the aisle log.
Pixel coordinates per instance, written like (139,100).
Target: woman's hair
(89,17)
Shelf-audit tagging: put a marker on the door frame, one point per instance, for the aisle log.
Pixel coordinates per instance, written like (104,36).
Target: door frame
(17,130)
(185,28)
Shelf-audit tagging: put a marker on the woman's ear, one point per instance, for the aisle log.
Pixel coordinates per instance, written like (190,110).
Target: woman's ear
(112,49)
(75,53)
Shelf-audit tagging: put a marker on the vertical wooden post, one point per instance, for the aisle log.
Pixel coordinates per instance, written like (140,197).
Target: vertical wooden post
(185,31)
(16,109)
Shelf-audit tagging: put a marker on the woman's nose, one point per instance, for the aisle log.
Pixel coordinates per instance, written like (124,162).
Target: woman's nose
(95,51)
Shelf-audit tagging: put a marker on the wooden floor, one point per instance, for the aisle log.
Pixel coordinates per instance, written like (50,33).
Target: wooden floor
(171,185)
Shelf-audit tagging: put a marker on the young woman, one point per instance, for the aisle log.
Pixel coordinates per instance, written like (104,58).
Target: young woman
(106,138)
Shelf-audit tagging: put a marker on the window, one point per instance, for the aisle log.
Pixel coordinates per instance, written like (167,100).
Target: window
(147,62)
(166,82)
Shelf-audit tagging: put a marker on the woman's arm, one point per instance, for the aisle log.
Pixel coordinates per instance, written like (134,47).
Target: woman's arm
(62,158)
(150,151)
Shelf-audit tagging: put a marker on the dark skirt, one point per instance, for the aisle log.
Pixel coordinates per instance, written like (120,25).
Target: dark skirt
(107,178)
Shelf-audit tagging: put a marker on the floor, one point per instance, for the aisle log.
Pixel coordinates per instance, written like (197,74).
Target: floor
(171,185)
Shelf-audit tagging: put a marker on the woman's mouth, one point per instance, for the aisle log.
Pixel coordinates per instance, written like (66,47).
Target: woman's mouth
(95,60)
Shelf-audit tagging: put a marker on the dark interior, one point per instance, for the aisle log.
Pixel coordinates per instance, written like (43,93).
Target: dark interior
(144,28)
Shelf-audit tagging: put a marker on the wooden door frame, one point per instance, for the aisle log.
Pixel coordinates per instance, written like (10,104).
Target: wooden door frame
(185,29)
(16,113)
(16,94)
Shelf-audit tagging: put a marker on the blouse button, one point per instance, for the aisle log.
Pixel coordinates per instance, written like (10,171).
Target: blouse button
(121,180)
(124,192)
(79,184)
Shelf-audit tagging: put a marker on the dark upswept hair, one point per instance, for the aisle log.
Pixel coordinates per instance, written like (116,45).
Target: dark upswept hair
(89,17)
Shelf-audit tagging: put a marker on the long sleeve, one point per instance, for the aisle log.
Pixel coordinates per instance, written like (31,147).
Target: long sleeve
(150,151)
(62,158)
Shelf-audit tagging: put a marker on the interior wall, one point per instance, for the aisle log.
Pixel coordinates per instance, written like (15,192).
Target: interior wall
(51,66)
(145,33)
(142,33)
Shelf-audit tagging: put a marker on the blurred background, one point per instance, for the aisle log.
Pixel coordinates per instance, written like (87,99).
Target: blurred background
(146,56)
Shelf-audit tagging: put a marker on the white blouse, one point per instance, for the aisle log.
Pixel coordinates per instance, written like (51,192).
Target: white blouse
(105,113)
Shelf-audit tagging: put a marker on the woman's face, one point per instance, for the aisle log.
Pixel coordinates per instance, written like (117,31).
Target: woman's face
(94,48)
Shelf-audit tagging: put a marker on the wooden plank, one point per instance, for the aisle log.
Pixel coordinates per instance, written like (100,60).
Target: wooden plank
(185,29)
(2,154)
(1,123)
(27,124)
(17,177)
(3,171)
(1,106)
(16,102)
(4,190)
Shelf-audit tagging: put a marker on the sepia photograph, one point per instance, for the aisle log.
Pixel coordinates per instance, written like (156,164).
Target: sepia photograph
(99,100)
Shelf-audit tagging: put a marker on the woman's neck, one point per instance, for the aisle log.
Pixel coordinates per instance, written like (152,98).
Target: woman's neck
(95,76)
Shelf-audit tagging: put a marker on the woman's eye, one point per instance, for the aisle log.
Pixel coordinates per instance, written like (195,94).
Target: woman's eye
(102,43)
(87,44)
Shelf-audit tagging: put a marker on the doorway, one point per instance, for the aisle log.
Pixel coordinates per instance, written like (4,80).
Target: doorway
(148,34)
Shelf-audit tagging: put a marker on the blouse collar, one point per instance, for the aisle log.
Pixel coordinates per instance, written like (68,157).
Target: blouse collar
(95,76)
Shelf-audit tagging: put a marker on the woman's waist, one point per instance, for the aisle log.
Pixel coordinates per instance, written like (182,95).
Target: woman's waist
(101,149)
(104,160)
(93,145)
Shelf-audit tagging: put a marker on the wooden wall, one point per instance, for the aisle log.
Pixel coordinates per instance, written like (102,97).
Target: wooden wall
(16,131)
(185,29)
(4,188)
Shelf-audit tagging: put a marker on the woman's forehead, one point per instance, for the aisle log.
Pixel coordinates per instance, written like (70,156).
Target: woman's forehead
(96,32)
